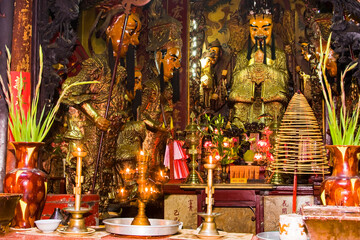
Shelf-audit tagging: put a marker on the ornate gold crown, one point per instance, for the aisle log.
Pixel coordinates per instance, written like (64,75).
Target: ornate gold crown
(164,32)
(259,8)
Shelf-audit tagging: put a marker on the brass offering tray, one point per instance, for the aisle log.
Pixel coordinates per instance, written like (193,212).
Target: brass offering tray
(157,227)
(63,230)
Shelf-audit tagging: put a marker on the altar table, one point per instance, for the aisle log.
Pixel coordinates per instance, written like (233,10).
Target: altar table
(250,195)
(185,234)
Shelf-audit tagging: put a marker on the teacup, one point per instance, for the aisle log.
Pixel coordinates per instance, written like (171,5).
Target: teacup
(292,227)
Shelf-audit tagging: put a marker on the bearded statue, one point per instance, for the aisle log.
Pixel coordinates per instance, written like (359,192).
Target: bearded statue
(260,77)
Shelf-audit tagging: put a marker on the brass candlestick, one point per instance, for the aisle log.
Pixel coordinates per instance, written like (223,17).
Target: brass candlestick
(192,141)
(77,222)
(208,227)
(144,192)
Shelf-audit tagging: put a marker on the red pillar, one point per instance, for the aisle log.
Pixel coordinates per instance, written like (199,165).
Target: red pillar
(21,57)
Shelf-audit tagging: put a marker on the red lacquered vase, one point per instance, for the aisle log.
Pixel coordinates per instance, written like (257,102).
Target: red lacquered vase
(29,181)
(343,187)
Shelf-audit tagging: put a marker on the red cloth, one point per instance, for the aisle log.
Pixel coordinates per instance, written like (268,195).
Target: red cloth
(181,169)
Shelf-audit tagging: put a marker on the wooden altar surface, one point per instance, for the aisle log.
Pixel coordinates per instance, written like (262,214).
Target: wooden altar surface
(185,234)
(252,186)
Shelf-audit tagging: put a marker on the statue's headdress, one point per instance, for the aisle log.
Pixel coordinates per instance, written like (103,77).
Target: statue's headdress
(256,8)
(164,32)
(215,43)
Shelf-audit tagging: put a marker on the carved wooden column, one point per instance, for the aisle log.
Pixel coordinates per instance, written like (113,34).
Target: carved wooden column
(21,57)
(21,46)
(6,19)
(22,34)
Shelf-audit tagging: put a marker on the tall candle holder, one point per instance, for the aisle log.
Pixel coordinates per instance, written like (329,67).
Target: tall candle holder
(144,193)
(77,222)
(145,190)
(208,227)
(192,141)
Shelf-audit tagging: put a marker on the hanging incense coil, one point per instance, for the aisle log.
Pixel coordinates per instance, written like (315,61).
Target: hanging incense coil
(299,148)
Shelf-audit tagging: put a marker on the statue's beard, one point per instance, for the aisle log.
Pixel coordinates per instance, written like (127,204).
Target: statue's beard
(260,42)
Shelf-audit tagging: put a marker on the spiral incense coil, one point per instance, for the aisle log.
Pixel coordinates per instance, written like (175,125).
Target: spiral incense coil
(299,148)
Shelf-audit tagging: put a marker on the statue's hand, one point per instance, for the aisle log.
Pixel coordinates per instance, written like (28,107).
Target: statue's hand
(102,123)
(258,73)
(259,56)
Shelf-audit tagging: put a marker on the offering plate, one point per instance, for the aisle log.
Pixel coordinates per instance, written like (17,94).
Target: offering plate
(157,227)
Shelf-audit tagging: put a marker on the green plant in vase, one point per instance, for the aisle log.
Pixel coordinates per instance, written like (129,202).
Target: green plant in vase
(222,148)
(342,187)
(28,130)
(25,126)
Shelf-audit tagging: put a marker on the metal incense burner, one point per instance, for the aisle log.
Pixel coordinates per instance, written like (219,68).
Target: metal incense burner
(140,225)
(208,228)
(77,222)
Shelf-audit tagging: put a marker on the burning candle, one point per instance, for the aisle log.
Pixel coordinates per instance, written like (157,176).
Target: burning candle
(142,155)
(78,179)
(122,194)
(209,187)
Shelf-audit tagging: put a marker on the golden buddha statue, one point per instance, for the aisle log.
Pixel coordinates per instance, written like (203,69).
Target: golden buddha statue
(260,77)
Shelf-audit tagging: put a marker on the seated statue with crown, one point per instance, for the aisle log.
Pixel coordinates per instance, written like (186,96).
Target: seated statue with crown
(260,77)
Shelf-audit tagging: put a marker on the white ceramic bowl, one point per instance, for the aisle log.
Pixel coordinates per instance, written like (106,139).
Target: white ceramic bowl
(47,225)
(269,236)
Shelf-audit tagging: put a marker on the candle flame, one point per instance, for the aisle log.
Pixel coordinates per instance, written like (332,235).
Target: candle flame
(127,170)
(146,189)
(79,149)
(122,191)
(161,173)
(142,153)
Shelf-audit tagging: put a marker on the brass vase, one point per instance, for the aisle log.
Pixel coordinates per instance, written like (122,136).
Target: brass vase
(29,181)
(224,173)
(343,186)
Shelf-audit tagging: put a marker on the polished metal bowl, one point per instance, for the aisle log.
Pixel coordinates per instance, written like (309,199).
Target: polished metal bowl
(8,202)
(158,227)
(274,235)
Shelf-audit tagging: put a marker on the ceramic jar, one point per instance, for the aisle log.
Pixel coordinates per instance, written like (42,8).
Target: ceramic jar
(343,187)
(29,181)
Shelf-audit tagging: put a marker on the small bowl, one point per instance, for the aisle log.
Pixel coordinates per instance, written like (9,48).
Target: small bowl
(268,235)
(8,203)
(47,225)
